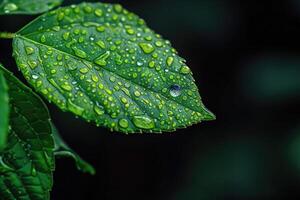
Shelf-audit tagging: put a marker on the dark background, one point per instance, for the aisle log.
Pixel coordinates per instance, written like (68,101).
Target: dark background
(245,56)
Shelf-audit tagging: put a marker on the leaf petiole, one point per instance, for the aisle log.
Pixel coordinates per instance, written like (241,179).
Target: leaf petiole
(7,35)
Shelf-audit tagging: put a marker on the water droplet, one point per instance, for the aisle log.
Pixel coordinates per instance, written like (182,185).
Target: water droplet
(101,28)
(146,47)
(98,12)
(10,7)
(35,76)
(101,44)
(137,93)
(43,38)
(75,108)
(143,122)
(60,16)
(118,8)
(175,90)
(95,78)
(79,53)
(151,64)
(98,110)
(84,70)
(29,50)
(158,43)
(66,86)
(123,123)
(130,31)
(101,60)
(66,35)
(33,64)
(170,61)
(185,70)
(139,63)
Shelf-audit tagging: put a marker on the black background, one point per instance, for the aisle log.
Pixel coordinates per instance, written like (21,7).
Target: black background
(245,56)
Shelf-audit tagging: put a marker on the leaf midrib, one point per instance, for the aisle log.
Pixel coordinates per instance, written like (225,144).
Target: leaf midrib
(71,55)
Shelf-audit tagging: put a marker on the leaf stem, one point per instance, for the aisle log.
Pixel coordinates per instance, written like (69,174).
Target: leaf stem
(7,35)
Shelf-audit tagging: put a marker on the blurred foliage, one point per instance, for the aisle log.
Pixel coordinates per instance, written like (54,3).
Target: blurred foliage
(272,78)
(231,169)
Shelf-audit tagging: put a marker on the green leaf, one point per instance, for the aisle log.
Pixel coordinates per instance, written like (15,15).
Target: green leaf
(63,150)
(8,7)
(103,63)
(27,162)
(4,111)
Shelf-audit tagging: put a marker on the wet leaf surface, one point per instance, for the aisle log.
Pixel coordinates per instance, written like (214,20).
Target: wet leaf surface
(101,62)
(8,7)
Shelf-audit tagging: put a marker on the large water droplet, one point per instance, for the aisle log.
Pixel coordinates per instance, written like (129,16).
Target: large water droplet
(79,53)
(170,61)
(101,60)
(185,70)
(146,47)
(175,90)
(29,50)
(143,122)
(123,123)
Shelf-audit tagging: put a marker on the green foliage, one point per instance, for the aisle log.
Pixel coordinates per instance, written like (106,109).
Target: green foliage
(4,111)
(27,6)
(98,61)
(63,150)
(101,62)
(27,162)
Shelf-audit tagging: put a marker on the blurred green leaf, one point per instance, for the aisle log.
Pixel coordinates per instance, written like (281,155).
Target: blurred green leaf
(272,78)
(27,162)
(8,7)
(4,111)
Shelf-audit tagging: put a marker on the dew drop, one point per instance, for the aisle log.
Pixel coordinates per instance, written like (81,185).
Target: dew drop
(143,122)
(79,53)
(98,12)
(175,90)
(98,110)
(35,76)
(170,61)
(101,60)
(185,70)
(33,64)
(66,87)
(29,50)
(123,123)
(137,93)
(146,47)
(75,108)
(43,39)
(101,44)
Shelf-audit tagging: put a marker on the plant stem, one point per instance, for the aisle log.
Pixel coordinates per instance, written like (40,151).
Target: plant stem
(7,35)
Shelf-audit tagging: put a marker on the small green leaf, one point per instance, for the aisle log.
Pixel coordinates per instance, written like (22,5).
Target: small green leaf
(63,150)
(4,111)
(103,63)
(8,7)
(27,162)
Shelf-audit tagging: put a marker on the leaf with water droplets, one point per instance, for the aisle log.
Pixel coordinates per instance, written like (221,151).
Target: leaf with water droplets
(103,63)
(4,111)
(27,162)
(63,150)
(8,7)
